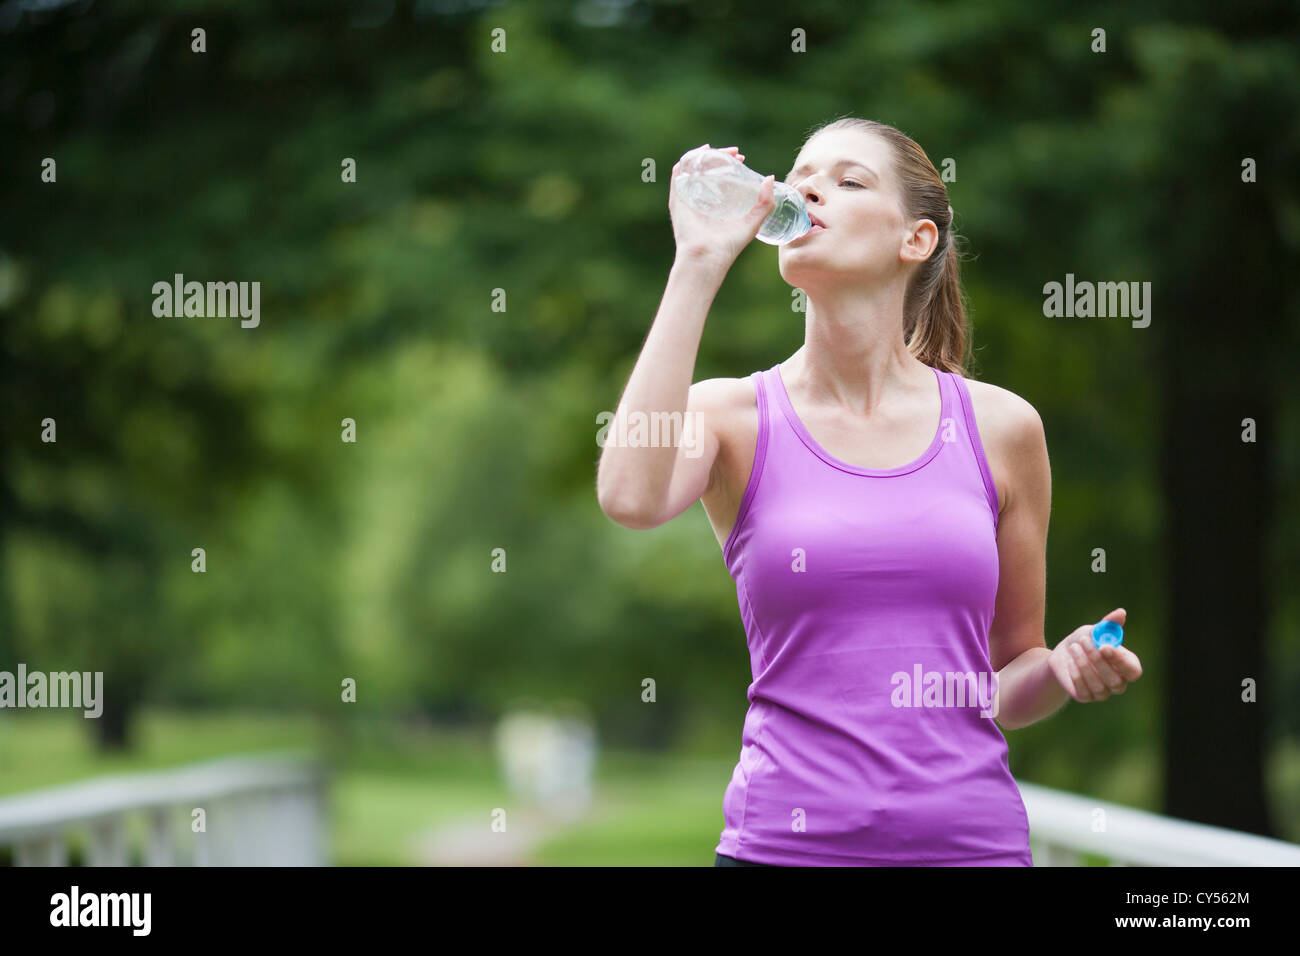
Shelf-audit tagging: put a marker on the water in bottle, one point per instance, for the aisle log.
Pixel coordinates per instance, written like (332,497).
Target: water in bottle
(717,184)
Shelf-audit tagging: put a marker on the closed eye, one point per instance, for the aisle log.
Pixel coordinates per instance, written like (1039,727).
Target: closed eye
(849,182)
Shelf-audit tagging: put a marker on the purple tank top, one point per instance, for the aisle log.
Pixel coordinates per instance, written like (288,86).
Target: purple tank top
(867,597)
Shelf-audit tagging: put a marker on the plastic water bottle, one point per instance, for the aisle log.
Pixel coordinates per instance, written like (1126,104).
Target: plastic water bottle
(717,184)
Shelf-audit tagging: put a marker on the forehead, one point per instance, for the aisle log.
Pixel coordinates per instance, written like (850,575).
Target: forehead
(857,145)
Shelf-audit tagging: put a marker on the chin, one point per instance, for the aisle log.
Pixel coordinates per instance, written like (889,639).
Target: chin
(799,269)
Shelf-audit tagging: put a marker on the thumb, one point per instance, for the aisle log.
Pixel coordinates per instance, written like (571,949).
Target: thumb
(1119,615)
(766,198)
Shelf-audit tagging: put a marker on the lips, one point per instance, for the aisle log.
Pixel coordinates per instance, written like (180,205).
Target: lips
(815,221)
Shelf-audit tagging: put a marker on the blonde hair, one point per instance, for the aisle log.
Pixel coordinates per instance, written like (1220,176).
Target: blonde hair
(935,323)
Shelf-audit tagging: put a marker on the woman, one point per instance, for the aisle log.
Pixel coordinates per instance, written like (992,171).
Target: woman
(885,520)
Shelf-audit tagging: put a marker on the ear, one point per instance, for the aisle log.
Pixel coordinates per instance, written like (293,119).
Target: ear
(920,242)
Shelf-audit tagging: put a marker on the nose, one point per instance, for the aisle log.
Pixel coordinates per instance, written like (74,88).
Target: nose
(808,191)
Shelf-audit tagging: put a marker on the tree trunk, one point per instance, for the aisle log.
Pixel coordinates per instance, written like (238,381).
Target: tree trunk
(113,726)
(1220,513)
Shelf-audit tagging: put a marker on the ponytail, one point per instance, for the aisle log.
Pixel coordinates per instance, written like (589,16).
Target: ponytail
(936,328)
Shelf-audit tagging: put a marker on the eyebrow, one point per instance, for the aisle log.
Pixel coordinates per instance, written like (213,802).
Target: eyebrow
(835,165)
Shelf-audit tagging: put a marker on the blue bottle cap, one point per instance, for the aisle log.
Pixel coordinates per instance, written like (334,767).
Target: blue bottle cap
(1107,632)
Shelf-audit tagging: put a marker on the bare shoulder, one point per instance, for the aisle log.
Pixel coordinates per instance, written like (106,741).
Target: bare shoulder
(1015,445)
(1003,417)
(724,403)
(720,394)
(728,408)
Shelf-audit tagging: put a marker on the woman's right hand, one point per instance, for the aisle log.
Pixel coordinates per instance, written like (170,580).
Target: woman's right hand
(704,239)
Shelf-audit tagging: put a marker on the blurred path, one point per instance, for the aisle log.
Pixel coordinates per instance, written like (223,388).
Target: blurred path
(471,841)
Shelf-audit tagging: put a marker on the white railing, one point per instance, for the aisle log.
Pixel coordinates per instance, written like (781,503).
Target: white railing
(269,810)
(1063,826)
(265,810)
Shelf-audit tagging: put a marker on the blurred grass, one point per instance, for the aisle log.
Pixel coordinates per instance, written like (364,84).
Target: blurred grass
(395,783)
(47,748)
(648,810)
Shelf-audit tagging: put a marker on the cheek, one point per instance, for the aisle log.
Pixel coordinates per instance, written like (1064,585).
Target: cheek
(860,240)
(875,228)
(874,215)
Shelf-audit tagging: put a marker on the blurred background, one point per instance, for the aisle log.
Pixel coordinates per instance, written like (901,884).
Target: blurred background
(494,685)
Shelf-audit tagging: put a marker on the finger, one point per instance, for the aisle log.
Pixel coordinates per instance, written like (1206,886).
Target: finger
(1119,615)
(1090,677)
(1125,662)
(1101,663)
(1119,683)
(1080,687)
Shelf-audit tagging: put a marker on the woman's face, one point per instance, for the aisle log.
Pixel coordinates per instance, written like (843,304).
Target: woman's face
(847,180)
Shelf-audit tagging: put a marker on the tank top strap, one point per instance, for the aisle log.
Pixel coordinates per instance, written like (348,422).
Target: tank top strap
(766,415)
(764,398)
(781,438)
(964,413)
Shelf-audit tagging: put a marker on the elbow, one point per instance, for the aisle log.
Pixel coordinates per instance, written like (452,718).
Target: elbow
(623,512)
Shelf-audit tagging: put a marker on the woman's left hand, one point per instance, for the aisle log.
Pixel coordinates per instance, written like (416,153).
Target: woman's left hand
(1089,673)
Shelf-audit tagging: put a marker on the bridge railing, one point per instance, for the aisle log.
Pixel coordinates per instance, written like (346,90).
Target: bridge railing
(1063,827)
(265,810)
(269,810)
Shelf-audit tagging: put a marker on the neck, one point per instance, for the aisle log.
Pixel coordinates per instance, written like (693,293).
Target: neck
(854,355)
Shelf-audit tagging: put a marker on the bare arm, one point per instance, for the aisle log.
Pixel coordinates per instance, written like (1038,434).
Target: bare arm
(1034,682)
(646,482)
(1017,647)
(642,487)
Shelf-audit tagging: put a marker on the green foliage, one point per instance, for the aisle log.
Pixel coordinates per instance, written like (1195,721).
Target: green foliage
(522,171)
